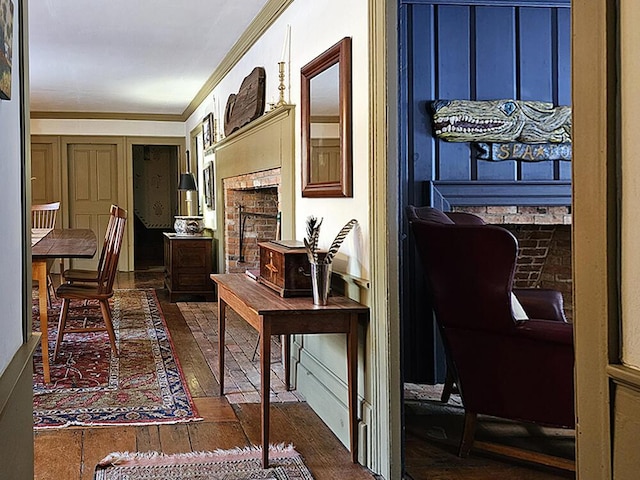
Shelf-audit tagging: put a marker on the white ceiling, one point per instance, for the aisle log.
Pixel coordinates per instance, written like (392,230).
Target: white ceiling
(129,56)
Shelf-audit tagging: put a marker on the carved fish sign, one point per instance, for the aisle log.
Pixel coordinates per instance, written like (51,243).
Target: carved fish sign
(501,121)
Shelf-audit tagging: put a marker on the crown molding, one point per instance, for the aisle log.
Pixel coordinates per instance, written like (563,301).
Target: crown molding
(269,14)
(151,117)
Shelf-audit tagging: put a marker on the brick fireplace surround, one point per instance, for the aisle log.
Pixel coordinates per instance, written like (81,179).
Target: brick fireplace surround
(259,195)
(544,239)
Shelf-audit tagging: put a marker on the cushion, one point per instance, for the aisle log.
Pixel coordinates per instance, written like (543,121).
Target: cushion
(516,308)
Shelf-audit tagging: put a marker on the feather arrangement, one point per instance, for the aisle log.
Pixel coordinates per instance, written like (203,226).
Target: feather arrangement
(313,233)
(311,242)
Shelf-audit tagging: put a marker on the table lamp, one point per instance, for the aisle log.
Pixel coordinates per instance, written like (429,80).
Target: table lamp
(187,184)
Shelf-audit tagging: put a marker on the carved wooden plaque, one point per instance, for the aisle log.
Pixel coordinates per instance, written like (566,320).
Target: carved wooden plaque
(248,104)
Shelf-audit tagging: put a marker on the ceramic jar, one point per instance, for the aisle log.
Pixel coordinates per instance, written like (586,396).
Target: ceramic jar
(185,225)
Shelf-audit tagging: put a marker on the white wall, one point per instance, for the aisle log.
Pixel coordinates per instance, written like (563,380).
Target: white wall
(11,279)
(315,27)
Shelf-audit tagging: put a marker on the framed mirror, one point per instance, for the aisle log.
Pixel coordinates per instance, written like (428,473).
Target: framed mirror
(326,123)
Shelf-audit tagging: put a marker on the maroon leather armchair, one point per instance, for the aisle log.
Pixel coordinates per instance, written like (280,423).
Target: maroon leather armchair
(516,369)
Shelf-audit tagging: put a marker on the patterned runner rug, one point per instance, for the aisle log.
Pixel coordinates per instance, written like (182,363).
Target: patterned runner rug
(90,386)
(238,464)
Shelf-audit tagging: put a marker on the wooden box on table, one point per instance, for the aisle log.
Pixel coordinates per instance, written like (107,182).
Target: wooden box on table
(285,267)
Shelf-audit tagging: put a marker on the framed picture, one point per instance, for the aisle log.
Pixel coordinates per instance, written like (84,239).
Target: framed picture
(209,186)
(207,131)
(6,43)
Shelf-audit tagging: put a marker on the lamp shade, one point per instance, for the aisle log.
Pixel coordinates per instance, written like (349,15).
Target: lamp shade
(187,182)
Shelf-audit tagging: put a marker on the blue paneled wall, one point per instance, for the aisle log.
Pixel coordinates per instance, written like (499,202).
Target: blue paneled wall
(477,50)
(474,50)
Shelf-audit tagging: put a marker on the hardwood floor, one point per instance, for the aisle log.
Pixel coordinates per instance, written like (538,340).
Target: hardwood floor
(71,453)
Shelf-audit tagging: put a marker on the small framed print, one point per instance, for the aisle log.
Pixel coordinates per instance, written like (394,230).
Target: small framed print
(207,131)
(209,186)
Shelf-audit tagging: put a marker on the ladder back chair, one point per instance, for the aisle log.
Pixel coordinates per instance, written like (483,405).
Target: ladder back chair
(44,216)
(75,275)
(101,291)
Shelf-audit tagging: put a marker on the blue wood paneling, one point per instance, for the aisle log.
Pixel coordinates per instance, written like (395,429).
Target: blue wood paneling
(495,60)
(454,54)
(480,52)
(536,73)
(423,86)
(477,50)
(563,77)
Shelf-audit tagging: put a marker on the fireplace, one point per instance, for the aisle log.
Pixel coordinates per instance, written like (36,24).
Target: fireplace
(254,175)
(544,240)
(252,215)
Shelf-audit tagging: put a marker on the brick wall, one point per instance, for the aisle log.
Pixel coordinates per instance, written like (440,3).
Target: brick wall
(257,193)
(544,241)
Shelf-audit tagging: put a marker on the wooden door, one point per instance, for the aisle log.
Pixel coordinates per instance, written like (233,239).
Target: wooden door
(93,188)
(42,173)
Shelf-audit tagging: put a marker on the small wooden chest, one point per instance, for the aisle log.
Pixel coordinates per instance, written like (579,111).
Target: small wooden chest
(284,267)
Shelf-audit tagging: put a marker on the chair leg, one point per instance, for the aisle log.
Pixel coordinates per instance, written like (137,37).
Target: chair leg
(62,323)
(106,314)
(468,432)
(448,386)
(50,288)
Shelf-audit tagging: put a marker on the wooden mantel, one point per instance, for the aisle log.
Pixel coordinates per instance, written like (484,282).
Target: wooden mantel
(265,143)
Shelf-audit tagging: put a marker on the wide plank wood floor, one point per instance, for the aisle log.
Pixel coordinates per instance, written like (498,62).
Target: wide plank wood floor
(71,453)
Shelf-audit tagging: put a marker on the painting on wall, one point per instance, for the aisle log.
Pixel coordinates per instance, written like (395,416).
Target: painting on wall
(6,43)
(207,131)
(209,194)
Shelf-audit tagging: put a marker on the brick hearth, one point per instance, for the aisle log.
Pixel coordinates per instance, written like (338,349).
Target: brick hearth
(258,193)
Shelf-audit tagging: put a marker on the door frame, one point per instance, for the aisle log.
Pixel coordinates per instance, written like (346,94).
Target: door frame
(595,233)
(129,141)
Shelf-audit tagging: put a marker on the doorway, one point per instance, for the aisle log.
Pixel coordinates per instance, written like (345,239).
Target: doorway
(154,202)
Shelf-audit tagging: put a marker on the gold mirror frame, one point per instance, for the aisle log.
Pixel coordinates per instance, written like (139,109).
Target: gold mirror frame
(341,185)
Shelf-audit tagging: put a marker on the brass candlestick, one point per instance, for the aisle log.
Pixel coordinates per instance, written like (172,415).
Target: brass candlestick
(281,87)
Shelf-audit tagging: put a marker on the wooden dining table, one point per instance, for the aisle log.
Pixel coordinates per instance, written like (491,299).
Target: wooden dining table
(46,246)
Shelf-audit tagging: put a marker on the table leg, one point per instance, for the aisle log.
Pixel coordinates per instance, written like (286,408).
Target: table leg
(222,307)
(286,359)
(39,273)
(352,387)
(265,385)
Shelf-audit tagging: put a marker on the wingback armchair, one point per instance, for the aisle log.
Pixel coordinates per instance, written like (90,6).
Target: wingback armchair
(505,365)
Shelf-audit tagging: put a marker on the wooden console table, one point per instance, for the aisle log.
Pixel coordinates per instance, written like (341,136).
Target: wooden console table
(271,314)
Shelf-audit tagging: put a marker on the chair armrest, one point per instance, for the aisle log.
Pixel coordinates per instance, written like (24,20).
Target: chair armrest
(549,331)
(541,303)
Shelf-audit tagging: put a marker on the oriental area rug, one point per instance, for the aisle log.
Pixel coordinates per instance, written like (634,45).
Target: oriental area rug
(144,384)
(238,464)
